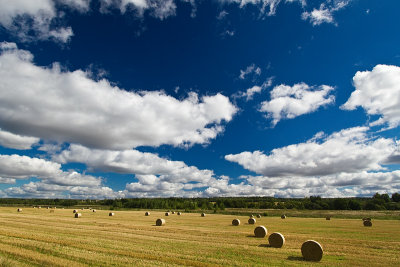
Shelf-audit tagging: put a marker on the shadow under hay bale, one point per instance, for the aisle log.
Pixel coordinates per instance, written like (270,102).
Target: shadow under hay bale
(260,231)
(236,222)
(312,250)
(160,222)
(252,221)
(276,240)
(367,223)
(78,215)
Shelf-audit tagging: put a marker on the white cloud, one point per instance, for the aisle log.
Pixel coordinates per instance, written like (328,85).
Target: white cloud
(378,92)
(349,151)
(78,5)
(7,181)
(22,17)
(160,9)
(325,12)
(15,141)
(256,89)
(146,166)
(288,102)
(65,106)
(249,70)
(266,6)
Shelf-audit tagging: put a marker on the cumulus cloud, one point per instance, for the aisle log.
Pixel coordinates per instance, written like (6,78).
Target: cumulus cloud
(33,20)
(249,70)
(15,141)
(349,151)
(378,93)
(66,106)
(160,9)
(288,102)
(256,89)
(325,12)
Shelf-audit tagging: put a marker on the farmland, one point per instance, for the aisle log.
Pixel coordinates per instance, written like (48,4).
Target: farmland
(38,237)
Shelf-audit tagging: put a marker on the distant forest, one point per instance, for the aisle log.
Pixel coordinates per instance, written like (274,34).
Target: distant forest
(377,202)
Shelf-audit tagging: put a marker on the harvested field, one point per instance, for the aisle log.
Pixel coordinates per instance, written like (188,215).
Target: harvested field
(38,238)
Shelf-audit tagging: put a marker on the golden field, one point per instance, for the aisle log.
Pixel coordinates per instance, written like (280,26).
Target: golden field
(38,237)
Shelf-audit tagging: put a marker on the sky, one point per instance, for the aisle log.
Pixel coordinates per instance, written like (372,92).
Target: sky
(187,98)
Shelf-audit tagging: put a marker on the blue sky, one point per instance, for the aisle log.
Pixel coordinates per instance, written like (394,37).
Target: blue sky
(145,98)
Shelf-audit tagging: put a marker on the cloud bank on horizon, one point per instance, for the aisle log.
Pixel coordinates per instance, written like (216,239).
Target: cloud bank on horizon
(192,117)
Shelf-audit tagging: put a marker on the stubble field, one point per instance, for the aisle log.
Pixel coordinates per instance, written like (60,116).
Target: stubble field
(38,237)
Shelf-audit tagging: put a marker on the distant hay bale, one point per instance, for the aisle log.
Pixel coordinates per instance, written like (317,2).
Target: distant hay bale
(252,221)
(203,215)
(147,213)
(179,213)
(160,222)
(74,211)
(312,250)
(111,214)
(328,218)
(367,223)
(283,216)
(167,214)
(19,210)
(78,215)
(276,240)
(251,216)
(236,222)
(260,231)
(173,212)
(94,210)
(39,207)
(366,219)
(258,216)
(48,207)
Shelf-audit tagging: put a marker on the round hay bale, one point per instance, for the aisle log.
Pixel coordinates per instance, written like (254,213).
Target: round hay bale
(367,223)
(147,213)
(48,208)
(19,210)
(251,221)
(258,216)
(78,215)
(236,222)
(39,207)
(94,210)
(251,216)
(179,213)
(74,211)
(312,250)
(173,212)
(276,240)
(260,231)
(167,214)
(160,222)
(283,216)
(111,214)
(328,218)
(203,215)
(366,219)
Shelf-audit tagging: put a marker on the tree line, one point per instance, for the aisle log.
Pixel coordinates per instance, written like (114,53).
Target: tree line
(377,202)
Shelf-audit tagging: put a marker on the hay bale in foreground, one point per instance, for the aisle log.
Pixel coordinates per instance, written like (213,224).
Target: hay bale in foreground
(276,240)
(78,215)
(328,218)
(19,210)
(179,213)
(236,222)
(111,214)
(74,211)
(283,216)
(203,215)
(167,214)
(260,231)
(312,250)
(147,213)
(160,222)
(367,223)
(258,216)
(252,221)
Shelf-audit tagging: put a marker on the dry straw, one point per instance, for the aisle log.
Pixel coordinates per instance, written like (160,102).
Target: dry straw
(259,216)
(147,213)
(203,215)
(167,214)
(260,231)
(78,215)
(276,240)
(160,222)
(19,210)
(236,222)
(252,221)
(51,211)
(367,223)
(312,250)
(283,216)
(111,214)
